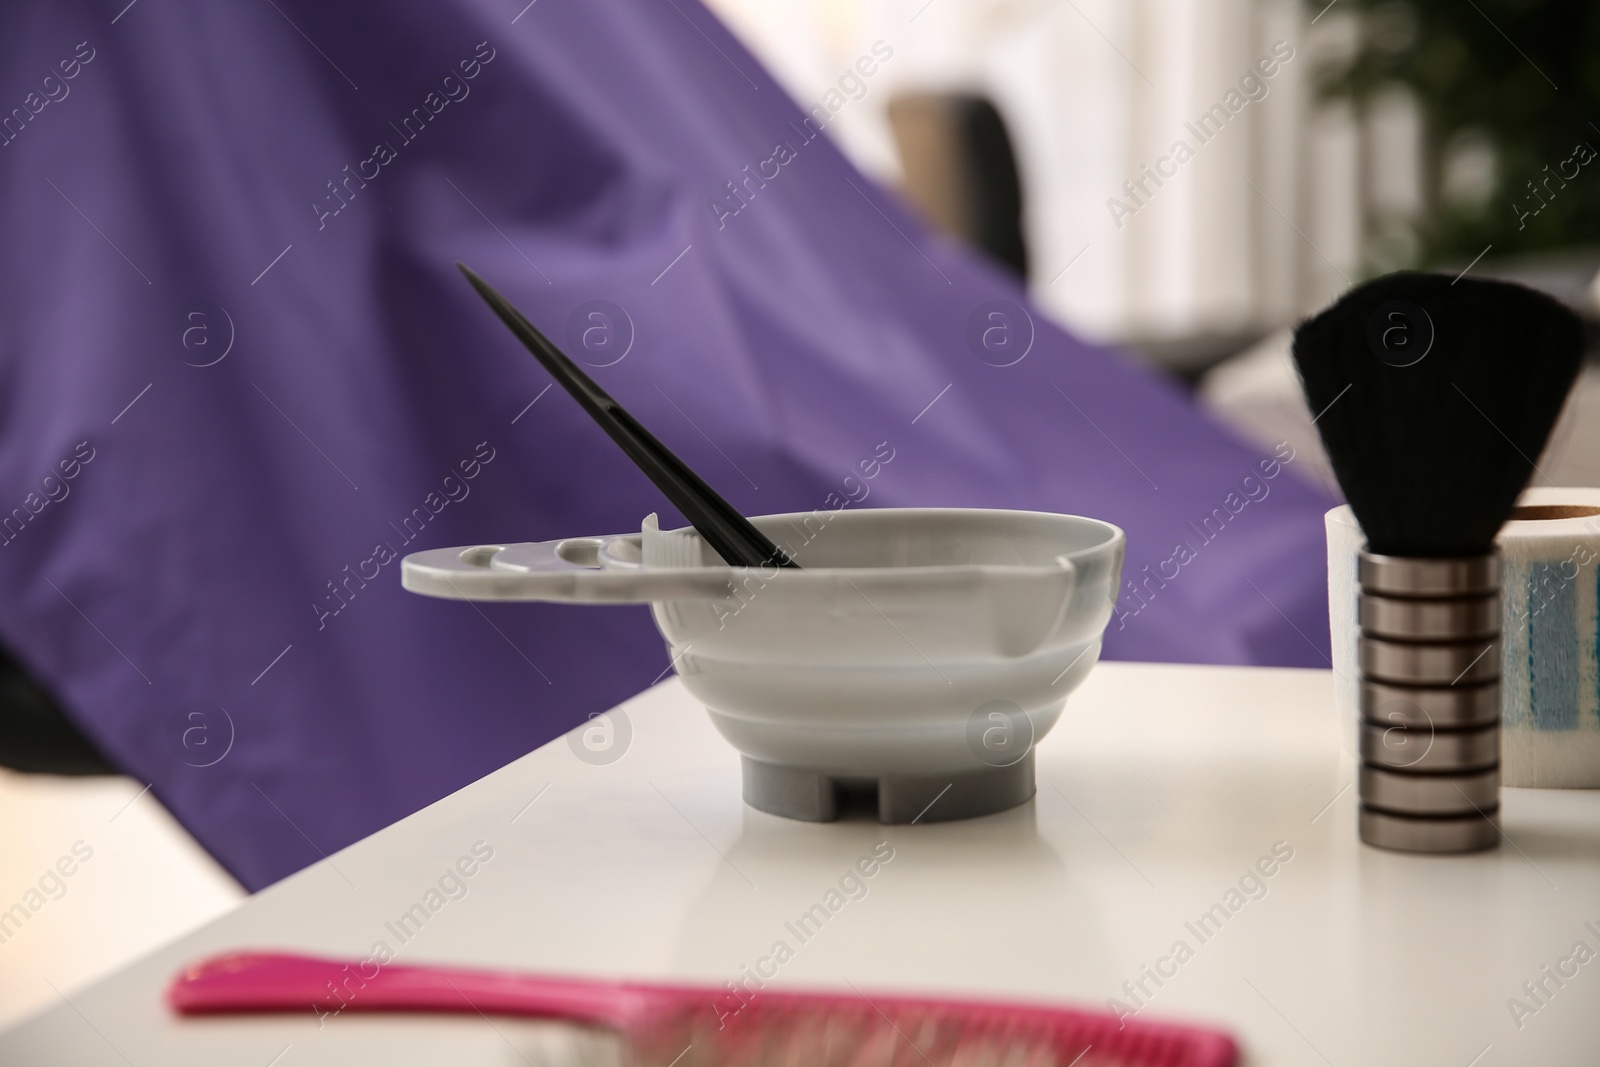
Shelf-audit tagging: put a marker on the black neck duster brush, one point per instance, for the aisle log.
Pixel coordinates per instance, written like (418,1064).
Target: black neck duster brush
(1434,398)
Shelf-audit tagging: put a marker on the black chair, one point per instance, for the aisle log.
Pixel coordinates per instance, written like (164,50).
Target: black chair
(961,172)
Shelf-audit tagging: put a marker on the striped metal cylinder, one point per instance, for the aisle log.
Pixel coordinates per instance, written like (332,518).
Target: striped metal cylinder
(1430,703)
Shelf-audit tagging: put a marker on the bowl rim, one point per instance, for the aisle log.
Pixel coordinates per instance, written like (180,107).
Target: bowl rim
(588,570)
(1114,539)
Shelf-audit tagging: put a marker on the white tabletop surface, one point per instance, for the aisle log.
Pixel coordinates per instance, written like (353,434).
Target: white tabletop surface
(1158,790)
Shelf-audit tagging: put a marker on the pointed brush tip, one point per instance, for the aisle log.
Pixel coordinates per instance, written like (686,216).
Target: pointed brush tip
(489,293)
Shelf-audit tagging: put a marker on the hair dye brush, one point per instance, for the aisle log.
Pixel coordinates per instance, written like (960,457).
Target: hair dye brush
(732,535)
(1434,397)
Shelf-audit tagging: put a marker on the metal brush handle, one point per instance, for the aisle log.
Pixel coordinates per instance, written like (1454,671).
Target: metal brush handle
(1430,702)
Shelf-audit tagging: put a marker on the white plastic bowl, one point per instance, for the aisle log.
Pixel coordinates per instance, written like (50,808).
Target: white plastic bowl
(920,652)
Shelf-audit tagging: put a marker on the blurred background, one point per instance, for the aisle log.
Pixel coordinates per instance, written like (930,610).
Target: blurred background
(1434,134)
(1322,143)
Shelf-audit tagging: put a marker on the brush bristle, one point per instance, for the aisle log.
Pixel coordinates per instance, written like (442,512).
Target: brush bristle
(1434,398)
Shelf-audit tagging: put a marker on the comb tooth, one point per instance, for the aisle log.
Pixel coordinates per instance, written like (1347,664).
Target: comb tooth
(1018,1049)
(928,1035)
(1074,1052)
(979,1052)
(777,1038)
(877,1047)
(978,1043)
(802,1041)
(571,1045)
(840,1037)
(919,1037)
(971,1051)
(848,1031)
(855,1031)
(915,1037)
(1043,1053)
(680,1039)
(831,1043)
(949,1032)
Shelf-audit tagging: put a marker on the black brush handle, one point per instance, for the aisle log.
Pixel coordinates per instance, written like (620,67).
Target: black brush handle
(733,536)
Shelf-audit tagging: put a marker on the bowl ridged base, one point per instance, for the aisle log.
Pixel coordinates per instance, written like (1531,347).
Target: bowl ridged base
(815,796)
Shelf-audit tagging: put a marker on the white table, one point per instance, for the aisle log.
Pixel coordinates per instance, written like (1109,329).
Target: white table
(1159,789)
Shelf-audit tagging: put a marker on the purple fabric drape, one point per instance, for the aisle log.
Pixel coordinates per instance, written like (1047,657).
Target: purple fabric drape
(239,375)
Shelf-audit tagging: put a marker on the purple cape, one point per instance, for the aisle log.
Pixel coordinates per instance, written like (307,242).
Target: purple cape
(240,376)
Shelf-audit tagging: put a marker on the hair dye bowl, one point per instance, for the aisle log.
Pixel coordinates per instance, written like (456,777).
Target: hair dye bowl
(918,655)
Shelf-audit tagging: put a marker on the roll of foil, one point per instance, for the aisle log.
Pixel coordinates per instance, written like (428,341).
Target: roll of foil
(1550,636)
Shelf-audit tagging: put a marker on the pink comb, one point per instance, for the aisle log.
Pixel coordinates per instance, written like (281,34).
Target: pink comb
(699,1027)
